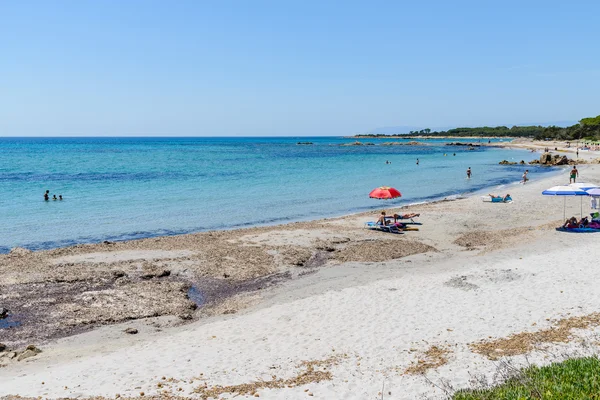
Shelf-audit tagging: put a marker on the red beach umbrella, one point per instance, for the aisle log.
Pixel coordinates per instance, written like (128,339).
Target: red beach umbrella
(385,192)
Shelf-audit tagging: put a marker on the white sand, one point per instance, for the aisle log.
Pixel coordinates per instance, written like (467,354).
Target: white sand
(377,317)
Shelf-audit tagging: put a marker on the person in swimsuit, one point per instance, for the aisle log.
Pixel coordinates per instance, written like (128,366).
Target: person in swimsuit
(381,220)
(404,216)
(525,178)
(574,174)
(54,197)
(47,195)
(469,173)
(60,197)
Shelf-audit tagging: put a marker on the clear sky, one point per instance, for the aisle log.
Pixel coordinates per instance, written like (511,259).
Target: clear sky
(254,68)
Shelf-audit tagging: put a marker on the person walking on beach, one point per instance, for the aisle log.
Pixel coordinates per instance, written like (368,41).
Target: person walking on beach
(469,173)
(525,178)
(47,195)
(574,174)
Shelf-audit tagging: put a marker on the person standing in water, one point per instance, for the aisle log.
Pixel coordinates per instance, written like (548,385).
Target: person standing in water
(47,195)
(525,178)
(469,173)
(417,161)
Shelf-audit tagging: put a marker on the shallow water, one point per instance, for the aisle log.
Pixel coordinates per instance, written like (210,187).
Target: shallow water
(127,188)
(195,295)
(9,322)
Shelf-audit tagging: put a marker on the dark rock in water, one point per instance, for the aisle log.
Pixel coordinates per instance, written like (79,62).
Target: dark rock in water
(505,162)
(534,162)
(2,347)
(522,162)
(462,144)
(131,331)
(4,312)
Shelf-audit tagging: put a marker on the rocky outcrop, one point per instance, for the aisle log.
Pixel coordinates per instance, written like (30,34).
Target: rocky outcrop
(412,143)
(556,159)
(462,144)
(505,162)
(2,347)
(131,331)
(546,159)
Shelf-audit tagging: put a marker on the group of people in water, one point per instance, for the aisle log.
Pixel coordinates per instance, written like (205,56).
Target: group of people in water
(47,196)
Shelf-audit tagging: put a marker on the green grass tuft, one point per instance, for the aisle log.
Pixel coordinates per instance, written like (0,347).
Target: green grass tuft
(578,378)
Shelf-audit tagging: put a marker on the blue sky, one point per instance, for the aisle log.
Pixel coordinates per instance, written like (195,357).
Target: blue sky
(254,68)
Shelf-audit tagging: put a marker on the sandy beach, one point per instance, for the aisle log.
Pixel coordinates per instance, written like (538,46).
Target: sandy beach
(323,309)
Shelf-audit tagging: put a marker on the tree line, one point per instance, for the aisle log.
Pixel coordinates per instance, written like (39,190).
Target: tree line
(586,129)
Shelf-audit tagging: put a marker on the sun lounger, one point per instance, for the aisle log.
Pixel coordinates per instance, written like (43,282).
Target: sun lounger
(384,228)
(405,221)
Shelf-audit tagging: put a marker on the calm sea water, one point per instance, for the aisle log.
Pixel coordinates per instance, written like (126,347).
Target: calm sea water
(125,188)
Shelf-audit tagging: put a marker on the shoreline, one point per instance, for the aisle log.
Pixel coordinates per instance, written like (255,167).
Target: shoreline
(285,283)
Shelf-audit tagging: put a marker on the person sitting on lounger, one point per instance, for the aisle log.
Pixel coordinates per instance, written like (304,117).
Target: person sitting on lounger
(381,220)
(570,223)
(583,223)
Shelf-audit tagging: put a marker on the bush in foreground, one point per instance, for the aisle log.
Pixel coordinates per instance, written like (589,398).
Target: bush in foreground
(577,378)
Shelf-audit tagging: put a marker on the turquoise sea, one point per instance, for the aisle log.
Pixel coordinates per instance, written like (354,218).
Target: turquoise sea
(126,188)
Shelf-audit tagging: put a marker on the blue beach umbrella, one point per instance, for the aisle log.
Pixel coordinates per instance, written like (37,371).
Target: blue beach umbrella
(565,191)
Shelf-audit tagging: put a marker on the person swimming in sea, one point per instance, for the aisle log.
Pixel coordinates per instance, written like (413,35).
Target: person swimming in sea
(54,197)
(60,197)
(417,161)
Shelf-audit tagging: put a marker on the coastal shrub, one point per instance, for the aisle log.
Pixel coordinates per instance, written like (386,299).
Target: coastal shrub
(577,378)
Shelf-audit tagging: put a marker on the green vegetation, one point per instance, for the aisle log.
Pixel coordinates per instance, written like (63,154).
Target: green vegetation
(588,129)
(577,378)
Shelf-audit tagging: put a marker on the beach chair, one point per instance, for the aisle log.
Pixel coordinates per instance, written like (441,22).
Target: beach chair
(384,228)
(405,221)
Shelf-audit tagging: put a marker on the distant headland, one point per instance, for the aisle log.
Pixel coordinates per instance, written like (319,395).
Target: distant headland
(586,129)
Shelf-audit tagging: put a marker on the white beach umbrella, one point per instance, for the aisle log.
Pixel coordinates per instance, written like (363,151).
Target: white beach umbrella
(593,192)
(565,191)
(584,185)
